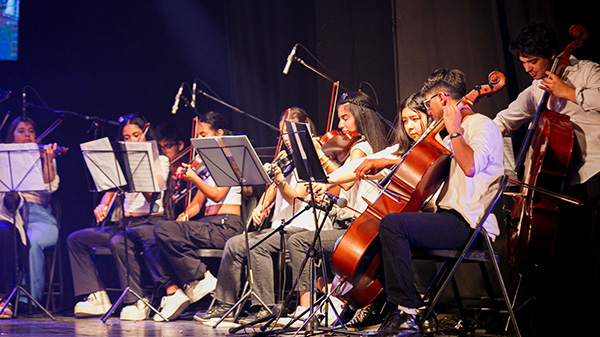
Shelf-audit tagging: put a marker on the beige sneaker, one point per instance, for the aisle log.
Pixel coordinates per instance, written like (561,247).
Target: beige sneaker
(95,304)
(172,306)
(135,312)
(196,290)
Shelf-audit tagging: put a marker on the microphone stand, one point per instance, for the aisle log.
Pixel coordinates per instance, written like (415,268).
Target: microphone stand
(313,69)
(71,113)
(270,126)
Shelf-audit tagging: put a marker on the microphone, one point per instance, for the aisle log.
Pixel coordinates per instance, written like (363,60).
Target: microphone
(290,58)
(193,103)
(24,116)
(324,205)
(177,98)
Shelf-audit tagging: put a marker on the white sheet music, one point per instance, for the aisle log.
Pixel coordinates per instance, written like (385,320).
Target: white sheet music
(102,164)
(21,168)
(144,166)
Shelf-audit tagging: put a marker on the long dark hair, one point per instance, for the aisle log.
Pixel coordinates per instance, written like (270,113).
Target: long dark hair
(367,121)
(299,115)
(216,122)
(414,102)
(139,121)
(10,135)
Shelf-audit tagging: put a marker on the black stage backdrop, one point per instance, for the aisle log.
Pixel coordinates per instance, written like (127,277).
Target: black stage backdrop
(112,58)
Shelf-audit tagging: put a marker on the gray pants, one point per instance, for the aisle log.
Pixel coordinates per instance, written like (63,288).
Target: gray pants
(231,269)
(140,237)
(298,246)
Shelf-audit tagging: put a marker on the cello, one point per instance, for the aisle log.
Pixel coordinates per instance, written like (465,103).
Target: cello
(418,174)
(548,146)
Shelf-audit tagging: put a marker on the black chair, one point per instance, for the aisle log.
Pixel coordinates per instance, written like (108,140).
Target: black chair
(452,260)
(54,262)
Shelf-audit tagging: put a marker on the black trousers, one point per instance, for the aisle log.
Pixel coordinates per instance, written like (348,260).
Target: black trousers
(401,231)
(179,240)
(7,262)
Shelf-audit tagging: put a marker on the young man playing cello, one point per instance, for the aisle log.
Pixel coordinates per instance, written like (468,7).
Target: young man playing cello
(473,180)
(575,264)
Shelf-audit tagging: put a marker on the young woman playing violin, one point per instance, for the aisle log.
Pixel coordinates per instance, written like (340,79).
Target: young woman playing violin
(178,240)
(142,212)
(42,229)
(281,198)
(412,122)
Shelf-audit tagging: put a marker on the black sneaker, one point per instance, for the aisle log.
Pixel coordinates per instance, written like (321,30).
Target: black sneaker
(399,323)
(217,310)
(262,313)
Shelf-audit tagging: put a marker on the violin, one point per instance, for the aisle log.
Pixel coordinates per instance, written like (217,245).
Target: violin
(545,154)
(60,150)
(336,145)
(197,165)
(284,161)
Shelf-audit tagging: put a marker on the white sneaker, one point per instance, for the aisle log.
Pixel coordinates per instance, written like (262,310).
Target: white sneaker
(95,304)
(338,305)
(172,306)
(135,312)
(299,310)
(196,290)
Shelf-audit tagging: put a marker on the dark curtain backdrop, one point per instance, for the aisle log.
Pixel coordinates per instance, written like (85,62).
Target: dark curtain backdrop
(112,58)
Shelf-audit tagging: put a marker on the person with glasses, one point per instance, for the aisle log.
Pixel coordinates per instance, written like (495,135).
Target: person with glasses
(473,180)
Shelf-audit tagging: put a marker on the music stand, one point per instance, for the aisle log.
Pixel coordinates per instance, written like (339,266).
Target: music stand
(140,160)
(309,169)
(232,161)
(20,171)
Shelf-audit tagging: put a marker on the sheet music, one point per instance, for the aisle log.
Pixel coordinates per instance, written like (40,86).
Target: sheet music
(144,166)
(21,168)
(222,154)
(102,164)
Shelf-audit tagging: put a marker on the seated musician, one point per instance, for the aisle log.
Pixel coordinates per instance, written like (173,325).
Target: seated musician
(140,220)
(473,179)
(172,143)
(281,197)
(42,231)
(187,279)
(357,113)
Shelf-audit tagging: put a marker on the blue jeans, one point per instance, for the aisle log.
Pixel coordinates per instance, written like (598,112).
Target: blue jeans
(42,232)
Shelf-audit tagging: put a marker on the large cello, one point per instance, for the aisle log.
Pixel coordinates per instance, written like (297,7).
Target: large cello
(420,172)
(546,153)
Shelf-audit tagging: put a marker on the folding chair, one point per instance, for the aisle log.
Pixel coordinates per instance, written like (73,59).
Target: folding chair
(452,259)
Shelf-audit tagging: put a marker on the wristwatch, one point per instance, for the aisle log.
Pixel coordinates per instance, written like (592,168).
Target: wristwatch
(455,134)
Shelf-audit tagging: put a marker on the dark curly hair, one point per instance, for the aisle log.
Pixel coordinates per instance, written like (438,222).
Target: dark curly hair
(451,82)
(535,39)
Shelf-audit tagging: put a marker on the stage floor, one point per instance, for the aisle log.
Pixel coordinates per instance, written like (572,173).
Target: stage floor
(66,325)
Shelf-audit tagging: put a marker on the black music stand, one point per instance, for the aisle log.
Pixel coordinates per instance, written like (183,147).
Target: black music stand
(103,165)
(20,171)
(232,161)
(309,169)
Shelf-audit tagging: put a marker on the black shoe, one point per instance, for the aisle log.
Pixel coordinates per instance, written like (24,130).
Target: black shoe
(217,310)
(399,324)
(262,313)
